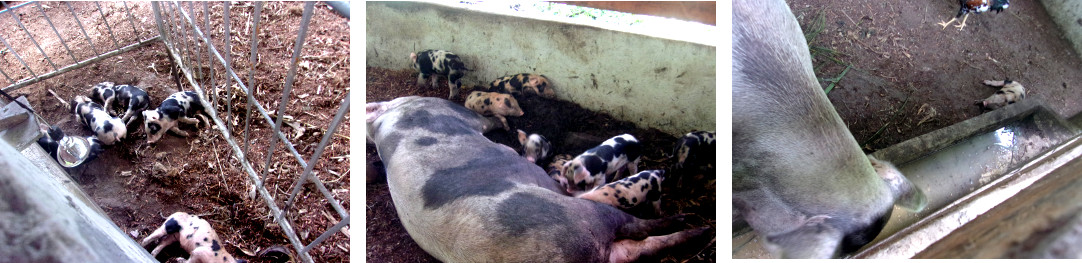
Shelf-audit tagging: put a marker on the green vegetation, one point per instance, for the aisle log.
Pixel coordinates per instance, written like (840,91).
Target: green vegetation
(823,54)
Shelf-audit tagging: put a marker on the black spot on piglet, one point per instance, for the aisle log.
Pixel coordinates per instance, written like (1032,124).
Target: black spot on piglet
(172,226)
(214,246)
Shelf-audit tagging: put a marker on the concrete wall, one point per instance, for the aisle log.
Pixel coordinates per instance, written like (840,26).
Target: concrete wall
(653,82)
(1068,15)
(45,217)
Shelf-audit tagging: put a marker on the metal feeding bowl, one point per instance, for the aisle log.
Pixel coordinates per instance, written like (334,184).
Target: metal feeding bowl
(72,151)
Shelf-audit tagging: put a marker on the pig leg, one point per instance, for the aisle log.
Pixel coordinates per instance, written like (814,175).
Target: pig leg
(189,120)
(640,229)
(421,79)
(108,105)
(632,250)
(503,120)
(176,130)
(157,234)
(995,83)
(169,239)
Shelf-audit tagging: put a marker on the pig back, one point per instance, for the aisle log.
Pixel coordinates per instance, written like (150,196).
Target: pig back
(788,141)
(463,198)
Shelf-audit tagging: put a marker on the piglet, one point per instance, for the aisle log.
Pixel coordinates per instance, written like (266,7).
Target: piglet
(131,98)
(630,192)
(494,104)
(535,147)
(555,169)
(439,62)
(1009,93)
(180,106)
(695,149)
(108,129)
(195,236)
(603,163)
(524,83)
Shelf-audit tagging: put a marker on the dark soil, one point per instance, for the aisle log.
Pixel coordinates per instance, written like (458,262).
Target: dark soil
(911,76)
(137,184)
(569,127)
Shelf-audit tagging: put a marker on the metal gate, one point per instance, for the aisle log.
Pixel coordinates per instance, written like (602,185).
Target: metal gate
(193,51)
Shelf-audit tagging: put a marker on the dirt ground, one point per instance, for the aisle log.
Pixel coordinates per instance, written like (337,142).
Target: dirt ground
(137,184)
(575,130)
(911,76)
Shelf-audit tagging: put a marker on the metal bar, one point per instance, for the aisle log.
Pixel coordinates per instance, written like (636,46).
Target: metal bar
(210,56)
(105,21)
(81,64)
(287,227)
(13,7)
(258,107)
(10,80)
(251,75)
(20,58)
(131,18)
(195,45)
(161,24)
(327,194)
(32,40)
(80,23)
(302,34)
(62,42)
(228,61)
(312,162)
(185,42)
(326,234)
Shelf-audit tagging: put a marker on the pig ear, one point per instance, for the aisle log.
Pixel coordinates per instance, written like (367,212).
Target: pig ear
(521,136)
(373,110)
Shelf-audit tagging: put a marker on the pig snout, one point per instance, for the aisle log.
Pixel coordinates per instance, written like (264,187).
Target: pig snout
(793,156)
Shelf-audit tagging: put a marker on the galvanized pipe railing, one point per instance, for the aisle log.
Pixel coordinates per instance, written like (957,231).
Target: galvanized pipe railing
(258,178)
(15,84)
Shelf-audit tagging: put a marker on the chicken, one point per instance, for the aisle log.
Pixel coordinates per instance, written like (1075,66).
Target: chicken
(975,6)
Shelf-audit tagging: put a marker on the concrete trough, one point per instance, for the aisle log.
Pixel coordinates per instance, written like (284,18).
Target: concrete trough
(965,170)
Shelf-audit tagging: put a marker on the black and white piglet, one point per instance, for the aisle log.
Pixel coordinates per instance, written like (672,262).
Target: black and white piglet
(180,106)
(630,192)
(695,149)
(439,62)
(535,147)
(107,128)
(603,163)
(131,98)
(51,142)
(195,236)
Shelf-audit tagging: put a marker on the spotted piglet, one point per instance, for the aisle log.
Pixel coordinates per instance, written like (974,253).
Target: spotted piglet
(1009,93)
(439,62)
(107,128)
(131,98)
(535,147)
(630,192)
(195,236)
(180,106)
(494,104)
(523,83)
(695,149)
(555,169)
(603,163)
